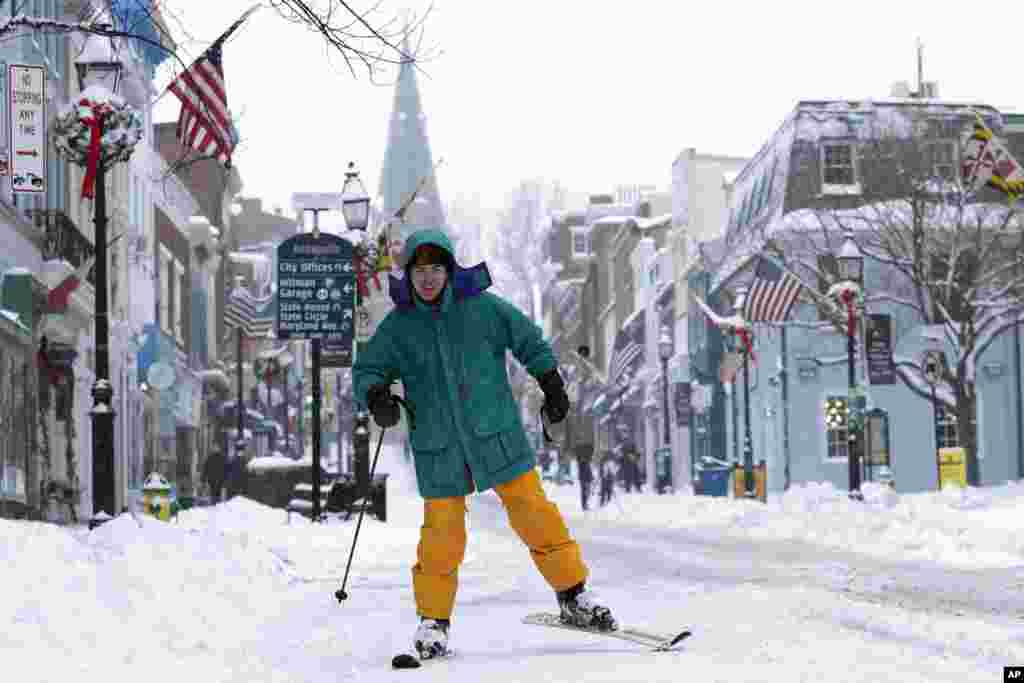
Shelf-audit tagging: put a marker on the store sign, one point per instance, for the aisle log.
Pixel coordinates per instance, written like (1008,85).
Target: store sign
(881,369)
(681,395)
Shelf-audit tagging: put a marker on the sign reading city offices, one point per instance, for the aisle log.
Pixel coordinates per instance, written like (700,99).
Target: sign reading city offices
(316,290)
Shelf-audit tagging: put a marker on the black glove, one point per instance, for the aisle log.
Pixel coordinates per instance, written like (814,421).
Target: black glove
(556,401)
(382,405)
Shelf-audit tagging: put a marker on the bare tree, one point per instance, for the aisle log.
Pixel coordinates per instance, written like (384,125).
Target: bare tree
(940,256)
(366,35)
(369,38)
(522,228)
(518,263)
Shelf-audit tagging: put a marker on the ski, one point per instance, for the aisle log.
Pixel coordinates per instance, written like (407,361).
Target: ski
(409,661)
(658,642)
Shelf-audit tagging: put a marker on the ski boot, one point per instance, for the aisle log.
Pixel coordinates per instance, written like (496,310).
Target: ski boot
(581,608)
(431,639)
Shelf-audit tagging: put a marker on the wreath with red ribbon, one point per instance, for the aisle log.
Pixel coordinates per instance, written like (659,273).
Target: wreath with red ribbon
(849,297)
(364,271)
(98,127)
(744,335)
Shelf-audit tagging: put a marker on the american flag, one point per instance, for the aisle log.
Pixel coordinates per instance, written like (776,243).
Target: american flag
(772,294)
(204,123)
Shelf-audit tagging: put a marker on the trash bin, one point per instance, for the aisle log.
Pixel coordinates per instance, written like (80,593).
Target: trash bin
(952,467)
(156,497)
(713,481)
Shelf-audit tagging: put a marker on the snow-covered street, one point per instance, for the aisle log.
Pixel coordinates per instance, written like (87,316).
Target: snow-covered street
(810,587)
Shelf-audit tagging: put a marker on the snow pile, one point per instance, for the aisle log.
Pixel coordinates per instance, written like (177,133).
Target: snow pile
(966,528)
(236,592)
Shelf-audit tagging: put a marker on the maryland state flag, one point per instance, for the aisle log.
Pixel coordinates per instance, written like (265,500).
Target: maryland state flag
(58,298)
(987,162)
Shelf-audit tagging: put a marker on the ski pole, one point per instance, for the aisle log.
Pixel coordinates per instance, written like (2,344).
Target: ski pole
(340,594)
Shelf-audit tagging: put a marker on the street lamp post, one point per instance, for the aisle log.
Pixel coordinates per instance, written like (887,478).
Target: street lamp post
(355,206)
(748,442)
(240,438)
(99,67)
(850,266)
(665,352)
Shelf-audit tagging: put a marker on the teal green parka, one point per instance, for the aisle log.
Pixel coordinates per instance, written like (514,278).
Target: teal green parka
(451,360)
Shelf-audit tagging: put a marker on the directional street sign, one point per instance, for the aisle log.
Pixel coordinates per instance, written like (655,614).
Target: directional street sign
(316,289)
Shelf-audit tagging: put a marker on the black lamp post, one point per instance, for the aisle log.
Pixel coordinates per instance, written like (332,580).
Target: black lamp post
(665,352)
(355,206)
(748,442)
(240,438)
(99,66)
(850,267)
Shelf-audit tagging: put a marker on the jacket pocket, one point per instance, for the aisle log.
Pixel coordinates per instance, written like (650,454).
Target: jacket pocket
(433,468)
(501,451)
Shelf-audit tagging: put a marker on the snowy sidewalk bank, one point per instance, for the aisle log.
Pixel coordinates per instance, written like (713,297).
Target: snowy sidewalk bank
(963,528)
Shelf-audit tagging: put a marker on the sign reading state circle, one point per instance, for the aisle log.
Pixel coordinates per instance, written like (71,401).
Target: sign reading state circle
(316,289)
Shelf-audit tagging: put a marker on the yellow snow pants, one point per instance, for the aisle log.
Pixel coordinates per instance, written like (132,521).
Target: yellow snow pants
(531,515)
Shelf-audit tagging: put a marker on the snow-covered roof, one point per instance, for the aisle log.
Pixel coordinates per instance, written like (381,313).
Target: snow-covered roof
(14,318)
(274,462)
(892,212)
(654,222)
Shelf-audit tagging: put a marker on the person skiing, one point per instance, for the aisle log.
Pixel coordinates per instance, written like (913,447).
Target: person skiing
(446,340)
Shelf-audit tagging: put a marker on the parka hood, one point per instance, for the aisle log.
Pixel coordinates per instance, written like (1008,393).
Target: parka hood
(464,282)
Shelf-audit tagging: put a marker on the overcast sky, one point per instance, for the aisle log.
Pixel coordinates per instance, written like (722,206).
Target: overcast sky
(592,94)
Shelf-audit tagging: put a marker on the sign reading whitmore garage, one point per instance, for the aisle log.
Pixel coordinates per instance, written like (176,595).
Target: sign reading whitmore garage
(316,289)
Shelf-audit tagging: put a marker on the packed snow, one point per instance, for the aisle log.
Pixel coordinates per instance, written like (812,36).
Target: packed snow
(810,586)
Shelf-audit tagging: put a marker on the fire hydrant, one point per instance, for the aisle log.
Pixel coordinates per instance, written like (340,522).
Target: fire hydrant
(157,500)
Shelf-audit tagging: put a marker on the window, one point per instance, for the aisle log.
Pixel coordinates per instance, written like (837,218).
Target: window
(835,428)
(941,159)
(179,285)
(580,243)
(838,171)
(947,435)
(945,428)
(165,289)
(759,194)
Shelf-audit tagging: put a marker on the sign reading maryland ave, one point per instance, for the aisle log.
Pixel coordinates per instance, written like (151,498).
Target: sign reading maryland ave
(316,289)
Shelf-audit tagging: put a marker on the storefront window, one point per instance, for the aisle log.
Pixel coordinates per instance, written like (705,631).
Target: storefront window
(835,427)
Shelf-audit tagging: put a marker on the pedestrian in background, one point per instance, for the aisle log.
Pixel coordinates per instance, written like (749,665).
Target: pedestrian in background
(631,465)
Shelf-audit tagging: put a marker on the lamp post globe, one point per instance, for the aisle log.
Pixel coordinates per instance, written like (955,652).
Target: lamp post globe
(99,63)
(850,260)
(355,203)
